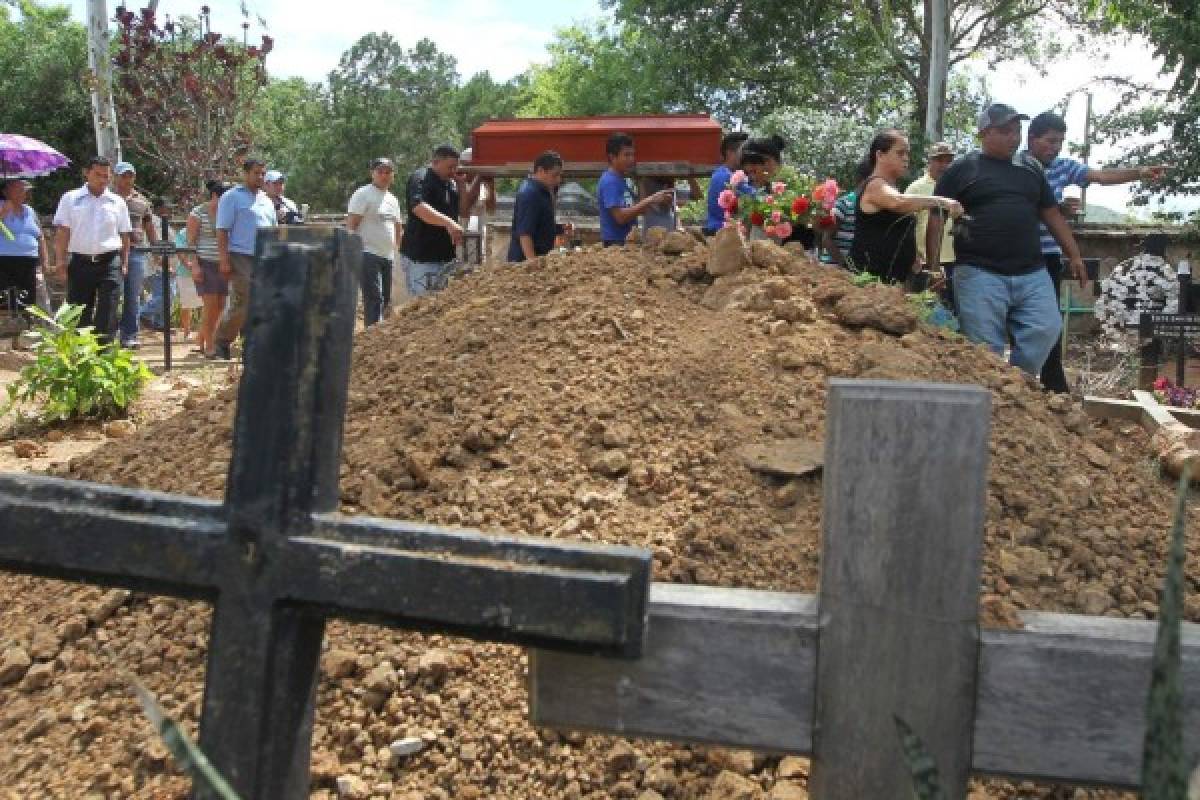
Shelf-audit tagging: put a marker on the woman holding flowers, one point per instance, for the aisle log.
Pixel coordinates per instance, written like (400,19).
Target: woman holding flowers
(885,220)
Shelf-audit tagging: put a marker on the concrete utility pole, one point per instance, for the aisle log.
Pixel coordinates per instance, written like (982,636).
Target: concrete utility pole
(939,67)
(104,115)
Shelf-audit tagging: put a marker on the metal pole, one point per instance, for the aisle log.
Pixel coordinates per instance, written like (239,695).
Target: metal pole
(939,66)
(104,116)
(1087,151)
(167,306)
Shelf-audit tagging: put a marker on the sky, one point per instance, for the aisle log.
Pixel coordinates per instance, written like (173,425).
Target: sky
(506,36)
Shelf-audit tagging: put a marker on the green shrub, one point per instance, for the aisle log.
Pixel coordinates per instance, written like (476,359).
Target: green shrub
(73,375)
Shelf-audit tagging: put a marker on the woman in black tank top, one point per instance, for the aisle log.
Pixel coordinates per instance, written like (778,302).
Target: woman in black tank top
(885,221)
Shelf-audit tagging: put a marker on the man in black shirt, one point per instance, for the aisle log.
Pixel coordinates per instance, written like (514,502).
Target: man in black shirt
(533,227)
(1000,283)
(434,202)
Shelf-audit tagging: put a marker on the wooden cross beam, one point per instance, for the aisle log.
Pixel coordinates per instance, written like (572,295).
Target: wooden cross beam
(276,561)
(1062,700)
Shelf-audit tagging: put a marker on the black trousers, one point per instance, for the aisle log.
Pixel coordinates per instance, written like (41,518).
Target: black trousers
(1054,377)
(96,285)
(18,274)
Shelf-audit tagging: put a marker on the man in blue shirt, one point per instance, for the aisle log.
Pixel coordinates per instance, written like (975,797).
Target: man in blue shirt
(533,227)
(731,156)
(619,208)
(1045,141)
(240,213)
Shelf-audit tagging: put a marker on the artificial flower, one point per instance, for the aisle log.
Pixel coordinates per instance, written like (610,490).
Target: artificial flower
(800,205)
(776,217)
(778,187)
(756,218)
(784,229)
(727,199)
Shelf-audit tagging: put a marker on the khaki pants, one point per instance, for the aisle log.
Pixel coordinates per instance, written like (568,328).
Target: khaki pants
(238,304)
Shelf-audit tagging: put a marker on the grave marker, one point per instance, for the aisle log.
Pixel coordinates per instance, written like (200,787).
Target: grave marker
(276,561)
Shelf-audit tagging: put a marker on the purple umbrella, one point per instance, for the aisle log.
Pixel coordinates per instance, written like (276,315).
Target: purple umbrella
(23,157)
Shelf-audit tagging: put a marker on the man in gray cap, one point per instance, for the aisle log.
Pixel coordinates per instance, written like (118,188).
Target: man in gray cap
(1001,287)
(141,218)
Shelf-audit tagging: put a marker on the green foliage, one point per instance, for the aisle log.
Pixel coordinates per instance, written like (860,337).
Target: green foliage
(293,133)
(190,758)
(72,374)
(482,98)
(743,59)
(695,212)
(381,100)
(603,69)
(1173,26)
(1165,123)
(43,57)
(925,779)
(820,143)
(1164,768)
(868,59)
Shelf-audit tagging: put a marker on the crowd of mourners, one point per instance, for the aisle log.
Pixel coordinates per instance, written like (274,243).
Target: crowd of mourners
(988,227)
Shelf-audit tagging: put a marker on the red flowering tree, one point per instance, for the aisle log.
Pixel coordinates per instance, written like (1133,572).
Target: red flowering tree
(185,97)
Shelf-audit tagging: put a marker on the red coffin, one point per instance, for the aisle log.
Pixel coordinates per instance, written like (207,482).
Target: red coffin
(693,139)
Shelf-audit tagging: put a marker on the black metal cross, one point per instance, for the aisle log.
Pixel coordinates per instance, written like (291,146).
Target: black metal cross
(276,561)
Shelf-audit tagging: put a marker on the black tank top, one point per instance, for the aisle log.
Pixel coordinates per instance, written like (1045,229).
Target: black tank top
(884,242)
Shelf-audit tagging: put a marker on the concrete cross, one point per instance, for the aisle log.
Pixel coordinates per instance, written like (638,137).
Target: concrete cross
(276,561)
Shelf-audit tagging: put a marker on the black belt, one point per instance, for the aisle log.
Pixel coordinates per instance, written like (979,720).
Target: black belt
(98,258)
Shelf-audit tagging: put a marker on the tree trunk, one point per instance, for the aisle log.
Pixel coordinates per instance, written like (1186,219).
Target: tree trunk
(104,116)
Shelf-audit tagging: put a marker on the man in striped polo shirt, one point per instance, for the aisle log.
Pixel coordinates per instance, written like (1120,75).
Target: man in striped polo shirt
(1045,141)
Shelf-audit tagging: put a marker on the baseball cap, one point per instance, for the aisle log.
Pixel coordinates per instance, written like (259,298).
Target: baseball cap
(376,163)
(274,176)
(997,114)
(122,167)
(938,149)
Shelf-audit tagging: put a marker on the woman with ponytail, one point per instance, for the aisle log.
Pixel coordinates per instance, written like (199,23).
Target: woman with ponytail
(885,220)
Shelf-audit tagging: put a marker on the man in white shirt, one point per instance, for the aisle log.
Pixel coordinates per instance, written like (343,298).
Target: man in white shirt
(94,228)
(374,212)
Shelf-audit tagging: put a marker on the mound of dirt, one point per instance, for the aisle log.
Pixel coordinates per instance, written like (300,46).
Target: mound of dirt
(602,396)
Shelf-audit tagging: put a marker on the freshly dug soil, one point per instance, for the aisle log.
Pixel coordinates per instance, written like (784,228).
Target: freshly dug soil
(600,396)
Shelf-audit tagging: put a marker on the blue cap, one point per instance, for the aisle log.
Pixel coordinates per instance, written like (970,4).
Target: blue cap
(274,175)
(122,167)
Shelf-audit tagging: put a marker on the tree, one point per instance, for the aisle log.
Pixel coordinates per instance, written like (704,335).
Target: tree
(598,68)
(385,100)
(186,97)
(43,57)
(1165,122)
(292,132)
(482,98)
(743,59)
(867,58)
(820,143)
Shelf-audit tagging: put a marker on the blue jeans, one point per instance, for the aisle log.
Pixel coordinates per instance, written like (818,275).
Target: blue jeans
(131,297)
(424,277)
(376,273)
(994,309)
(152,308)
